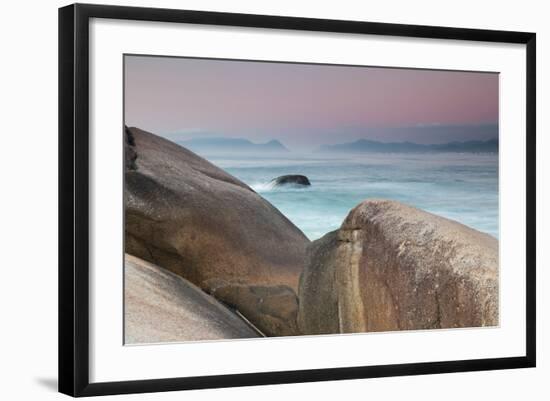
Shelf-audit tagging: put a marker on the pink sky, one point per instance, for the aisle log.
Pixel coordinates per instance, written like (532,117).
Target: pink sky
(303,103)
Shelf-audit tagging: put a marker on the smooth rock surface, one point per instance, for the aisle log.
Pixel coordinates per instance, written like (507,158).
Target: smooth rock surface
(394,267)
(273,309)
(163,307)
(192,218)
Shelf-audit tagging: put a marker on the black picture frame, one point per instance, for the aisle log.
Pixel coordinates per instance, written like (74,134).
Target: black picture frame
(74,200)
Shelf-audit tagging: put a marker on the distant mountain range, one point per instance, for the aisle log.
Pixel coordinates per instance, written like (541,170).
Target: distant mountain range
(365,145)
(231,144)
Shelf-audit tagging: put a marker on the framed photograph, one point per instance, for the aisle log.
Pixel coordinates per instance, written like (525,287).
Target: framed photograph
(251,199)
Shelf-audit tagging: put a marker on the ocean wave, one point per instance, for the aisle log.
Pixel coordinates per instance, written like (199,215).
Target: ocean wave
(455,187)
(263,186)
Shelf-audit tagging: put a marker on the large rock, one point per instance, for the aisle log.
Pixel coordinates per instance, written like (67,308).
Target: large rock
(395,267)
(160,306)
(186,215)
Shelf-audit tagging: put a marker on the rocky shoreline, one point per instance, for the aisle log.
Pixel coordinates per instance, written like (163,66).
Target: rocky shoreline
(197,236)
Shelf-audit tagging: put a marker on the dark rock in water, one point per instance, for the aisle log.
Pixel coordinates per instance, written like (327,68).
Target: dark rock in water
(292,179)
(194,219)
(160,306)
(394,267)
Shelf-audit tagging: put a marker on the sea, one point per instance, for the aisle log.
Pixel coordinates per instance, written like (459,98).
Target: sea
(458,186)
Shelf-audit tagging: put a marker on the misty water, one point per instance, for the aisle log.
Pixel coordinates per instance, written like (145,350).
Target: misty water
(462,187)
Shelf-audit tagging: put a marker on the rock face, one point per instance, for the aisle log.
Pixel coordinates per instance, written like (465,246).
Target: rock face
(300,180)
(273,309)
(161,307)
(395,267)
(192,218)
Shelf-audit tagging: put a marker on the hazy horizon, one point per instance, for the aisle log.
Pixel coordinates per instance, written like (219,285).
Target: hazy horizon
(307,105)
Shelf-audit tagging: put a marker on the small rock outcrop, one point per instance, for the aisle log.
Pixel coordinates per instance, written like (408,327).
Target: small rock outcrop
(394,267)
(194,219)
(293,179)
(163,307)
